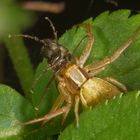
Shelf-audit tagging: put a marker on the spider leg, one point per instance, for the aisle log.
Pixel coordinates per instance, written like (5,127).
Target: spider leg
(86,52)
(96,71)
(76,108)
(64,96)
(116,83)
(116,54)
(48,116)
(66,113)
(56,110)
(65,93)
(58,103)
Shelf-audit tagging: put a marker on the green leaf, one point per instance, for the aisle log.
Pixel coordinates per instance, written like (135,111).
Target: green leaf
(14,110)
(110,32)
(117,120)
(21,61)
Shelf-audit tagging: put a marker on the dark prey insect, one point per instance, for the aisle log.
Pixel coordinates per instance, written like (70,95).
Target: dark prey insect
(78,83)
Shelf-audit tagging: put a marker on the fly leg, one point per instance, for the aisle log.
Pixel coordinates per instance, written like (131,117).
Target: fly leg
(36,80)
(106,61)
(86,52)
(116,83)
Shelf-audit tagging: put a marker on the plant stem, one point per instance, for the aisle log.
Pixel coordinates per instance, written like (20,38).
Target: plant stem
(20,58)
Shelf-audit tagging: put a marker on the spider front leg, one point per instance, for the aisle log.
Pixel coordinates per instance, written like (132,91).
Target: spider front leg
(86,52)
(48,116)
(58,103)
(103,63)
(64,96)
(65,93)
(56,110)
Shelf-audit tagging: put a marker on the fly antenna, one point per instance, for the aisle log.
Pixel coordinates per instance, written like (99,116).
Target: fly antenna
(53,28)
(29,37)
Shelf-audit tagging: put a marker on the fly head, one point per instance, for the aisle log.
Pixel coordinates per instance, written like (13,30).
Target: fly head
(56,54)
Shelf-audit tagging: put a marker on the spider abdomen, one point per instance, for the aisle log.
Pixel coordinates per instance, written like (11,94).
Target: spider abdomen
(94,90)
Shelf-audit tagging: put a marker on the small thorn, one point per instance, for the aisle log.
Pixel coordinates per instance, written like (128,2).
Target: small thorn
(114,97)
(121,94)
(31,91)
(137,94)
(106,102)
(90,107)
(9,36)
(36,108)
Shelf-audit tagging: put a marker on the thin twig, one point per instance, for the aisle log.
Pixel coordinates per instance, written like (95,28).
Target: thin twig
(44,6)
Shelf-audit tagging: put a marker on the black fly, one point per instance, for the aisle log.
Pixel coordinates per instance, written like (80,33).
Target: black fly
(56,54)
